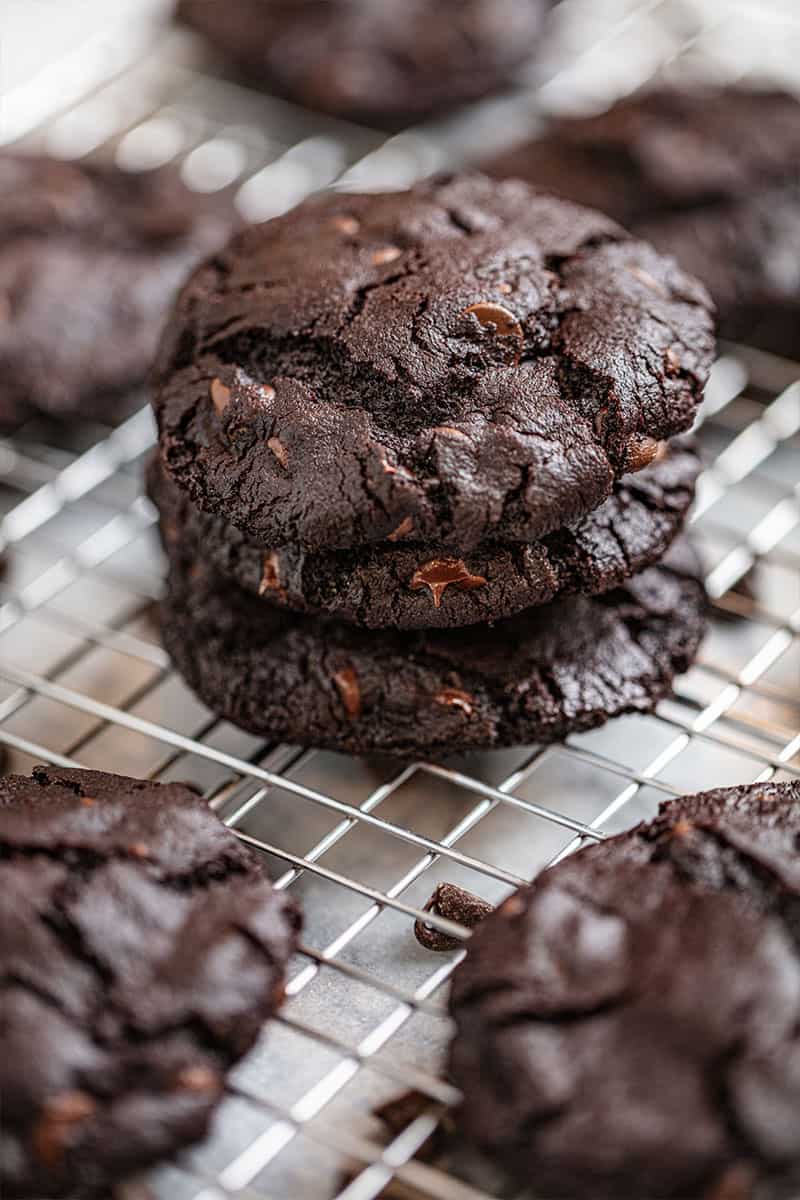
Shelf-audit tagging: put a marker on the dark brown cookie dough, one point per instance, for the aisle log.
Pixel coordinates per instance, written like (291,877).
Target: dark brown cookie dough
(533,677)
(468,361)
(141,949)
(406,586)
(386,62)
(629,1025)
(90,260)
(711,176)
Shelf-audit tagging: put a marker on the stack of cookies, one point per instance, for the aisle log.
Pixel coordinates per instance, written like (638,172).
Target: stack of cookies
(415,479)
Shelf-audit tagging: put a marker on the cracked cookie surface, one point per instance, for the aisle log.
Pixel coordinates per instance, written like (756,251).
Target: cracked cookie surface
(710,176)
(646,989)
(90,260)
(533,677)
(142,947)
(467,361)
(405,586)
(380,61)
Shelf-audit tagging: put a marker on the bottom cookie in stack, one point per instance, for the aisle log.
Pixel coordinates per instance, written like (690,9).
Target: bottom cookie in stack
(535,677)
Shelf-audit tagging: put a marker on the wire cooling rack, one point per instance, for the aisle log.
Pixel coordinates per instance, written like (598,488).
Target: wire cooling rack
(84,680)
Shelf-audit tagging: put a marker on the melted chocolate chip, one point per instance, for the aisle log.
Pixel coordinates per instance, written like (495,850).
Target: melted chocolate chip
(220,396)
(270,576)
(386,254)
(347,685)
(455,698)
(503,322)
(440,573)
(348,225)
(62,1116)
(647,279)
(198,1079)
(403,530)
(450,431)
(672,363)
(640,452)
(279,450)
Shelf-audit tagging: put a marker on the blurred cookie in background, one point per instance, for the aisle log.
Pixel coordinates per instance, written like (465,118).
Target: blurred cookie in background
(384,62)
(90,259)
(709,175)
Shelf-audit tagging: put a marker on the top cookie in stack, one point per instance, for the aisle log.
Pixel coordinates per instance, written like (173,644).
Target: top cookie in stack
(428,410)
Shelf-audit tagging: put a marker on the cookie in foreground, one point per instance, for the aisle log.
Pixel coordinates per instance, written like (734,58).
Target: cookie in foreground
(628,1025)
(142,948)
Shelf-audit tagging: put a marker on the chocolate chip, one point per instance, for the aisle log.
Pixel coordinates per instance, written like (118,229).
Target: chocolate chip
(512,907)
(672,363)
(457,905)
(649,282)
(347,685)
(451,431)
(403,529)
(455,699)
(348,225)
(220,396)
(440,573)
(279,450)
(386,254)
(61,1118)
(270,576)
(199,1078)
(640,452)
(502,322)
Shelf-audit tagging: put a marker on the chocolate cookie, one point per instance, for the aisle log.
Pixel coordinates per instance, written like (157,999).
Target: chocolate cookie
(467,361)
(90,260)
(141,948)
(629,1025)
(386,62)
(533,677)
(405,586)
(748,255)
(710,176)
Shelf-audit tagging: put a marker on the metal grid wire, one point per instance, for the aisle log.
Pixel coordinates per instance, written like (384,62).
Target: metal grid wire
(83,679)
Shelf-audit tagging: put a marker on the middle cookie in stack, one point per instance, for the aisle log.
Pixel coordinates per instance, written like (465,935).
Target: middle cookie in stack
(387,421)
